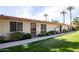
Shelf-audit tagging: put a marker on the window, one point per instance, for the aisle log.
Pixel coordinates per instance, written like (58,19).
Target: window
(19,26)
(16,26)
(43,28)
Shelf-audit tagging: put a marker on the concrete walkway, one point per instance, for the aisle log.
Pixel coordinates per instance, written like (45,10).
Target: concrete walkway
(10,44)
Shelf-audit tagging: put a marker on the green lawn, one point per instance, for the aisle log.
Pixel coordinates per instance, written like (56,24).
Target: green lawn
(65,43)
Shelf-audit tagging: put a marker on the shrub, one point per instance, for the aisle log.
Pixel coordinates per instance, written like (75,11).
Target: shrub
(16,36)
(75,29)
(52,32)
(57,32)
(27,36)
(65,30)
(42,34)
(2,39)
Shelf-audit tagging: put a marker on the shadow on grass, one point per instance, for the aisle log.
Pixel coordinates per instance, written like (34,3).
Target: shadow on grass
(49,45)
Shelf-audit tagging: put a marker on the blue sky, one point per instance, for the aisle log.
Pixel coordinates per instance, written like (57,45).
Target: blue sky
(37,12)
(17,10)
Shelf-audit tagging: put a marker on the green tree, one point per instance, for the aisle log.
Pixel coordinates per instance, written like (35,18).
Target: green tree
(76,21)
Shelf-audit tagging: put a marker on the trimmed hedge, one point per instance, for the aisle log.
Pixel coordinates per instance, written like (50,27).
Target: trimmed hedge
(48,33)
(52,32)
(16,36)
(75,29)
(27,36)
(42,34)
(65,30)
(2,39)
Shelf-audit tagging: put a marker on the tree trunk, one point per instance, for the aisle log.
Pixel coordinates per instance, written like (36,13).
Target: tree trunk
(70,21)
(64,18)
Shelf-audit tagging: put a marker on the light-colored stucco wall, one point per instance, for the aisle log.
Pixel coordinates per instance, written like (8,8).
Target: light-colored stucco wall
(65,27)
(52,27)
(26,27)
(57,28)
(48,28)
(1,27)
(38,28)
(4,27)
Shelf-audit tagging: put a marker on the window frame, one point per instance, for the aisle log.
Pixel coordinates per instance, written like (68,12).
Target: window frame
(16,26)
(43,28)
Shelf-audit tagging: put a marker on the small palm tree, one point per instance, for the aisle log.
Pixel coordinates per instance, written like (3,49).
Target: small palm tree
(70,8)
(46,15)
(63,13)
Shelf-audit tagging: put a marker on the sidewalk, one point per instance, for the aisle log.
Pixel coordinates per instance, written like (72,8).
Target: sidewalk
(10,44)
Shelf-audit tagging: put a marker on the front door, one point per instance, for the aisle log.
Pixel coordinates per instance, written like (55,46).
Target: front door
(33,29)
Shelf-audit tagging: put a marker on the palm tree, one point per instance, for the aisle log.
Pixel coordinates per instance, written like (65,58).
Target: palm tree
(70,8)
(63,13)
(46,15)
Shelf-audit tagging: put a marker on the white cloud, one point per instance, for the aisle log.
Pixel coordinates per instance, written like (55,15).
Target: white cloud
(53,12)
(25,12)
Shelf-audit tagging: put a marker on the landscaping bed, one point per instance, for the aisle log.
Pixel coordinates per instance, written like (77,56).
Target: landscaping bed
(16,36)
(65,43)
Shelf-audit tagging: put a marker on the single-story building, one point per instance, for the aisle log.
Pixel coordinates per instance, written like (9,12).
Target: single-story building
(10,24)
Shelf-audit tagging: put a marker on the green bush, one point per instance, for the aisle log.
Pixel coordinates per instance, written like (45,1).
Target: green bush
(2,39)
(42,34)
(65,30)
(52,32)
(75,29)
(27,36)
(55,32)
(16,36)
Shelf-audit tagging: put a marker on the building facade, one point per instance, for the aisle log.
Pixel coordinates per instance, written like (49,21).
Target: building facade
(10,24)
